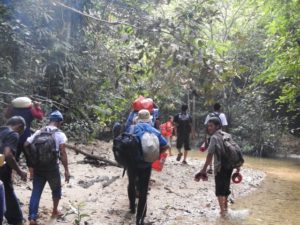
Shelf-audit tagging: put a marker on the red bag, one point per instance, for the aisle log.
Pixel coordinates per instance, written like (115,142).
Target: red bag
(203,147)
(158,165)
(143,103)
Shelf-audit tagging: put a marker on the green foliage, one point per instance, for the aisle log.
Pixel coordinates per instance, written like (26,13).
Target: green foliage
(244,54)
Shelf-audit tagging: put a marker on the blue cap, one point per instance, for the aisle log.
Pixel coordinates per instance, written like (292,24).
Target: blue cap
(56,116)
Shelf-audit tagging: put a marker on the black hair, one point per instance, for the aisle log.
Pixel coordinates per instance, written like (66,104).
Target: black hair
(16,120)
(216,121)
(184,108)
(217,106)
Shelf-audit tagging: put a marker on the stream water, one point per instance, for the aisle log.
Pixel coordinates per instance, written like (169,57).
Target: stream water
(276,201)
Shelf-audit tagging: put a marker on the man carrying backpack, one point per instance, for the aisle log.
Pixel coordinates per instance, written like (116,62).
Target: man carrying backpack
(141,169)
(216,113)
(9,137)
(183,123)
(222,149)
(45,147)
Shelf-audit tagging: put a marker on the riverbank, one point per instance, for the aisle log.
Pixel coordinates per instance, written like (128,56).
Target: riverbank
(100,192)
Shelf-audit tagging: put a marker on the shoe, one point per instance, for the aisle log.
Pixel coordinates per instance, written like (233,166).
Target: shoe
(184,162)
(179,156)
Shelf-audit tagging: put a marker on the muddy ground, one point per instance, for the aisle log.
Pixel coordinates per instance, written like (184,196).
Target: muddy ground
(98,193)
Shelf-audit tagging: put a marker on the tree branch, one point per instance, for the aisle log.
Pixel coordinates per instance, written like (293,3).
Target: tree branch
(77,150)
(90,16)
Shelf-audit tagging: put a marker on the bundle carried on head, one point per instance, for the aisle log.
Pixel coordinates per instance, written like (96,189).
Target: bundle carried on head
(21,102)
(143,103)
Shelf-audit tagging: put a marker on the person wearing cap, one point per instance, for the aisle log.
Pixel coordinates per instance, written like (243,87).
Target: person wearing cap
(141,172)
(222,175)
(9,137)
(51,175)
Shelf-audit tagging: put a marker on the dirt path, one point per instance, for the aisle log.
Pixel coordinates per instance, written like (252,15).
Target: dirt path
(174,197)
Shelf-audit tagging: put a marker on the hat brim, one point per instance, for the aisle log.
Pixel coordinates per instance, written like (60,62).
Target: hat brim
(145,120)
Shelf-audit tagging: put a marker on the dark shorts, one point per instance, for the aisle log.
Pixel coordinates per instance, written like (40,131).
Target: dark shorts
(183,141)
(222,180)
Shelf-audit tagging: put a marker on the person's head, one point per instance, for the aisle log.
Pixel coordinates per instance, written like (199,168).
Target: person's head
(17,124)
(217,107)
(56,118)
(213,124)
(171,118)
(144,116)
(184,108)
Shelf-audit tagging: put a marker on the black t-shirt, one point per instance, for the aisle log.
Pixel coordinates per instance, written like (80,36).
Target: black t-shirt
(184,124)
(8,138)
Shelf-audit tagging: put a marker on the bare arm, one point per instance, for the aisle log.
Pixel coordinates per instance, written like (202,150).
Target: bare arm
(64,161)
(208,161)
(164,148)
(12,163)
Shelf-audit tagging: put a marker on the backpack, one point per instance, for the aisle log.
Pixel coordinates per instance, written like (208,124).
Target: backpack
(42,152)
(150,147)
(216,114)
(232,156)
(127,150)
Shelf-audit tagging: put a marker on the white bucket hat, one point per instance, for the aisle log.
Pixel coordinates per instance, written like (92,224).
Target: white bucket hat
(144,116)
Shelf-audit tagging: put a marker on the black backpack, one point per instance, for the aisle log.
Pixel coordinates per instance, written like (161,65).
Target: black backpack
(42,153)
(232,156)
(217,115)
(127,150)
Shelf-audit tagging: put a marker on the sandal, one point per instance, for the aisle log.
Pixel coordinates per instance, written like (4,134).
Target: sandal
(184,162)
(179,156)
(210,171)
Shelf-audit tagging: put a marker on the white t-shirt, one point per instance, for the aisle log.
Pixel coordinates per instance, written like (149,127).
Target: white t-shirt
(221,116)
(60,137)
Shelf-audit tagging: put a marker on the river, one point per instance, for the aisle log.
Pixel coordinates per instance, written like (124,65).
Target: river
(277,200)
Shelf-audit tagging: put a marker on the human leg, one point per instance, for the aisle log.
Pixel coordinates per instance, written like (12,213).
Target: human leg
(39,182)
(131,188)
(187,148)
(54,181)
(179,144)
(144,178)
(13,212)
(169,142)
(222,181)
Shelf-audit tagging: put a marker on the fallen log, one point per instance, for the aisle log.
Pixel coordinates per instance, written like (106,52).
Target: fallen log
(77,150)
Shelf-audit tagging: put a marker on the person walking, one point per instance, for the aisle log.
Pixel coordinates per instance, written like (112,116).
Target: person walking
(141,171)
(216,149)
(50,173)
(167,130)
(218,114)
(9,138)
(183,124)
(29,111)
